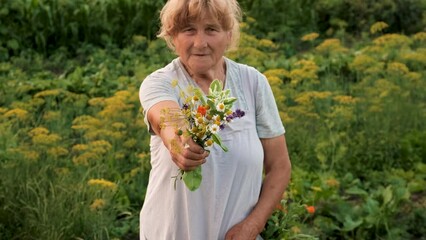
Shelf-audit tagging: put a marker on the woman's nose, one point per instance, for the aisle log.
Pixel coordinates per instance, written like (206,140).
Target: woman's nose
(200,40)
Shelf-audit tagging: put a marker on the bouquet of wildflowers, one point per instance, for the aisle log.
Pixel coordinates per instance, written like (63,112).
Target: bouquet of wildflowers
(201,118)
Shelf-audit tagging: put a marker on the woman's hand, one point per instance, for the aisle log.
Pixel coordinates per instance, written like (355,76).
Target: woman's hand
(186,154)
(243,231)
(277,167)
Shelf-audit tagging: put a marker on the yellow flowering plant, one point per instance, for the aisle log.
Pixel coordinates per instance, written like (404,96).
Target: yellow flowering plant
(201,118)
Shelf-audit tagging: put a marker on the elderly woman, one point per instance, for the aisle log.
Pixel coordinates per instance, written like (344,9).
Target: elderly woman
(234,199)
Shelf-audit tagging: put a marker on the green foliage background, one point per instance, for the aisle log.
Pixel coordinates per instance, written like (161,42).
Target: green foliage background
(351,90)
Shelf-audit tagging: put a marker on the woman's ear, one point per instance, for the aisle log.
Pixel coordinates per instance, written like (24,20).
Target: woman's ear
(229,38)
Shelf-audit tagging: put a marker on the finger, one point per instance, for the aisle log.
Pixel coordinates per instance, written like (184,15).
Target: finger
(194,151)
(193,146)
(187,160)
(190,150)
(186,164)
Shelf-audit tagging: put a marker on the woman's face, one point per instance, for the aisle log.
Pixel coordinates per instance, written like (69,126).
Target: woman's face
(201,45)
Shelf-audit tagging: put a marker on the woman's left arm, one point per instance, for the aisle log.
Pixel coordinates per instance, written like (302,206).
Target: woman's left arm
(277,176)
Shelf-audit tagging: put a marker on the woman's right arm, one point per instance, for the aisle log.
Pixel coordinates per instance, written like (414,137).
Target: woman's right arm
(186,154)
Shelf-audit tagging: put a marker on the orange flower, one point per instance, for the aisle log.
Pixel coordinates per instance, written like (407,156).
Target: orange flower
(202,110)
(310,209)
(281,208)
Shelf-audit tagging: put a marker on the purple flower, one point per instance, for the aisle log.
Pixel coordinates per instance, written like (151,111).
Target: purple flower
(229,118)
(238,113)
(185,106)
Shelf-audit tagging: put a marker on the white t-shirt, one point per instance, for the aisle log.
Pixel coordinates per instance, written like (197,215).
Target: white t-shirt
(231,181)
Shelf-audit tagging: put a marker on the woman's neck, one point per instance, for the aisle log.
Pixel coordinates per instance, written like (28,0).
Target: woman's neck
(203,80)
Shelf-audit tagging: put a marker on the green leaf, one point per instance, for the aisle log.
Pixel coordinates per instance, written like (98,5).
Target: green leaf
(387,195)
(193,178)
(349,224)
(13,44)
(200,95)
(215,86)
(218,140)
(211,104)
(356,191)
(230,101)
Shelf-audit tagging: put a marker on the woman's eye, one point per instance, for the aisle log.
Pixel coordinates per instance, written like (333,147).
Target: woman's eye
(189,29)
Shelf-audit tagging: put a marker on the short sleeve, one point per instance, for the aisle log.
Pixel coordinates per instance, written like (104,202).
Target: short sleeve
(268,121)
(155,88)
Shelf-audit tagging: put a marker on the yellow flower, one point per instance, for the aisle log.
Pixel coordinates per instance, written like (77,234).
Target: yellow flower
(47,93)
(266,43)
(220,107)
(392,40)
(46,139)
(3,110)
(331,45)
(86,121)
(277,72)
(332,182)
(375,69)
(97,102)
(31,155)
(398,68)
(142,155)
(375,108)
(418,57)
(123,94)
(119,155)
(102,183)
(378,27)
(84,158)
(316,189)
(75,98)
(97,204)
(52,115)
(62,171)
(362,62)
(80,147)
(20,114)
(344,112)
(420,36)
(374,49)
(174,82)
(414,76)
(304,111)
(100,146)
(130,143)
(307,65)
(38,131)
(175,147)
(274,81)
(57,151)
(296,230)
(286,117)
(306,70)
(101,143)
(305,98)
(344,99)
(310,37)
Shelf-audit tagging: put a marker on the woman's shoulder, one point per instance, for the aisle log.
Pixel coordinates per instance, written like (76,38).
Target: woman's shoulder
(241,67)
(246,74)
(164,72)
